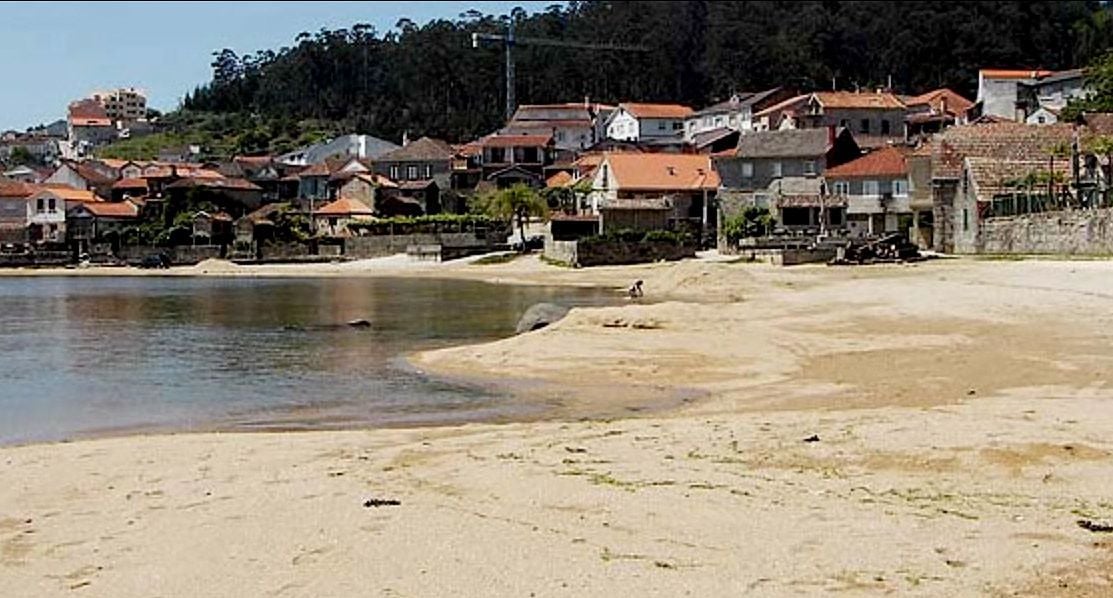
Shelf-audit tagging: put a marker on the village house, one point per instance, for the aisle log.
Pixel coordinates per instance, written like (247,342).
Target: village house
(781,115)
(215,228)
(87,176)
(574,126)
(510,159)
(332,219)
(386,198)
(874,189)
(234,196)
(934,111)
(125,188)
(875,119)
(647,122)
(782,171)
(98,227)
(15,211)
(1019,94)
(734,114)
(41,148)
(26,174)
(122,104)
(89,125)
(353,145)
(46,210)
(961,186)
(654,191)
(260,170)
(422,169)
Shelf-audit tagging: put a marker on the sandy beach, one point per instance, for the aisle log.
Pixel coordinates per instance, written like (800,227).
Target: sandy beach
(943,428)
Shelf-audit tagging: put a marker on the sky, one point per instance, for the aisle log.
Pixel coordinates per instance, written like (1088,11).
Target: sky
(56,52)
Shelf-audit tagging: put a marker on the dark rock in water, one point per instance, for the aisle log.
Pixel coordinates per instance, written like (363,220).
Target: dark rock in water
(540,316)
(359,324)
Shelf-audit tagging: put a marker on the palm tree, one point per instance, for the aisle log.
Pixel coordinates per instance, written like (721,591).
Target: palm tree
(518,202)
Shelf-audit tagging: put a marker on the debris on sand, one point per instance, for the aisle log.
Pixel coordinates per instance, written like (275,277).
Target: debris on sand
(812,438)
(381,502)
(1097,528)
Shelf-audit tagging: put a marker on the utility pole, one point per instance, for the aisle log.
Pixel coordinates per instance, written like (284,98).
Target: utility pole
(509,40)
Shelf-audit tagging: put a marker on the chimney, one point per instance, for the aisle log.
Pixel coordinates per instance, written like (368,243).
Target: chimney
(672,170)
(405,138)
(587,101)
(943,104)
(830,135)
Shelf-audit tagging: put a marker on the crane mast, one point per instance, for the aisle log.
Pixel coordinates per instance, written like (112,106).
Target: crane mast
(508,40)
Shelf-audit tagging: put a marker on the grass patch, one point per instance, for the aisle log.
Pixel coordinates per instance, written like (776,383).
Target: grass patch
(551,262)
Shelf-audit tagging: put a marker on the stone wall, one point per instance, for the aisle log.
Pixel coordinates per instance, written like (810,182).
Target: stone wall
(563,252)
(1073,232)
(385,245)
(614,253)
(181,255)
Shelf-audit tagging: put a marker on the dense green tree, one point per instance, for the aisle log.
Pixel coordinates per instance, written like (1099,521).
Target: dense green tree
(426,79)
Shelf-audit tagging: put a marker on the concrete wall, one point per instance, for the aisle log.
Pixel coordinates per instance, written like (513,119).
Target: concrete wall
(180,255)
(385,245)
(611,253)
(1080,232)
(560,251)
(731,170)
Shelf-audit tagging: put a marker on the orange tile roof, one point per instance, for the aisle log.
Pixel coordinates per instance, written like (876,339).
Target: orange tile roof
(130,184)
(345,207)
(657,110)
(560,179)
(112,209)
(889,161)
(661,172)
(1013,73)
(113,163)
(90,122)
(69,194)
(956,104)
(17,189)
(850,99)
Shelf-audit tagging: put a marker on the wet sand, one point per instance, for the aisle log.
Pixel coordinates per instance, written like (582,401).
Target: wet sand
(936,429)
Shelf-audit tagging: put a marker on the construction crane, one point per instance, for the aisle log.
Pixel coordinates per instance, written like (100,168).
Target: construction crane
(508,40)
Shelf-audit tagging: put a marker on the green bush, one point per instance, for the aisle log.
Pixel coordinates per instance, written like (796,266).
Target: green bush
(752,222)
(635,236)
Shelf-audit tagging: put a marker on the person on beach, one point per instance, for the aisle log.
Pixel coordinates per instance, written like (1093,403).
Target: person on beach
(635,291)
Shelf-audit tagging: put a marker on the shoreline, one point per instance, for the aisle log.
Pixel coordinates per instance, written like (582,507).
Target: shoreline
(926,429)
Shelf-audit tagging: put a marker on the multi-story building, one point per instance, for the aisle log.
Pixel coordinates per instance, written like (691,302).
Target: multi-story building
(123,104)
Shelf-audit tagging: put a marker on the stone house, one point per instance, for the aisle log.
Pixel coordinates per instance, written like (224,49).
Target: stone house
(509,159)
(654,191)
(332,219)
(763,157)
(422,167)
(875,119)
(93,224)
(961,189)
(934,111)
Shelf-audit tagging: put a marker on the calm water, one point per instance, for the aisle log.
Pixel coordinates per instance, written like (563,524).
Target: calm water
(83,356)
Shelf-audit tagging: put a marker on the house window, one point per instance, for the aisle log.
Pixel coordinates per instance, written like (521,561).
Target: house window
(865,128)
(394,173)
(660,125)
(40,205)
(606,172)
(558,135)
(733,120)
(884,127)
(842,188)
(809,167)
(747,170)
(53,207)
(965,219)
(871,188)
(719,121)
(428,171)
(1042,120)
(677,125)
(776,170)
(411,172)
(900,187)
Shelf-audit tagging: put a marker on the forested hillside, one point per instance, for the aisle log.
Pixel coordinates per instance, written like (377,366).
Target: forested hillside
(428,80)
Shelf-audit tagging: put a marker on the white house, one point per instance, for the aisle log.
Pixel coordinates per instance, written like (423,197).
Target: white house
(1018,95)
(356,146)
(46,217)
(644,122)
(1043,116)
(736,113)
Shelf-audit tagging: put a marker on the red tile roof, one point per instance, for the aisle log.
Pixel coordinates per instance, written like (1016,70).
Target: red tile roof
(1013,73)
(560,179)
(955,103)
(661,172)
(345,207)
(1003,140)
(321,169)
(856,100)
(112,209)
(17,189)
(376,179)
(130,184)
(657,110)
(889,162)
(783,105)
